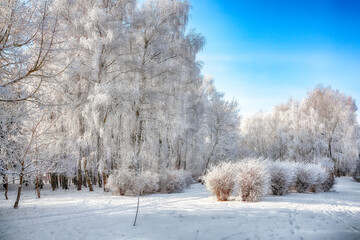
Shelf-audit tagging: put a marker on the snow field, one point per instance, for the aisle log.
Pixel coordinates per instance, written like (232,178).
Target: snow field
(192,214)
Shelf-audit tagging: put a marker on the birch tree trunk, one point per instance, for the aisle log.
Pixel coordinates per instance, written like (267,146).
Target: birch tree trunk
(16,205)
(87,175)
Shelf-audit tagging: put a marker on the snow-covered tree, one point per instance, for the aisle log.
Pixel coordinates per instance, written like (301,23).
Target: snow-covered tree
(322,128)
(222,123)
(28,31)
(334,124)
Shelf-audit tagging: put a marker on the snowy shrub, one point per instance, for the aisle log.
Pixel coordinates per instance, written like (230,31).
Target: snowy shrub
(220,180)
(329,181)
(125,182)
(325,162)
(253,179)
(121,182)
(149,182)
(173,181)
(356,173)
(281,177)
(303,178)
(319,177)
(312,178)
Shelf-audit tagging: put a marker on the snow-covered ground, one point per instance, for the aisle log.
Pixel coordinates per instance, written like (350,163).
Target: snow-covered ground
(190,215)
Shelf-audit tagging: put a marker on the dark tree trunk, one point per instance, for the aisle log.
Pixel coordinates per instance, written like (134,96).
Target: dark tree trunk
(99,179)
(75,181)
(37,186)
(57,180)
(53,180)
(65,183)
(84,180)
(16,205)
(104,179)
(6,186)
(87,175)
(79,177)
(61,181)
(93,178)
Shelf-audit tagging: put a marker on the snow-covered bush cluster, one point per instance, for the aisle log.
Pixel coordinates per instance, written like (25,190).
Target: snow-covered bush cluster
(305,178)
(172,181)
(220,180)
(126,182)
(281,176)
(121,182)
(312,178)
(329,181)
(149,182)
(251,179)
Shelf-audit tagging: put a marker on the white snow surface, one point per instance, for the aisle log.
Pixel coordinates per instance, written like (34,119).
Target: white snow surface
(193,214)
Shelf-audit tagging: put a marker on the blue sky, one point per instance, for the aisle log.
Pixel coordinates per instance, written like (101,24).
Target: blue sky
(263,52)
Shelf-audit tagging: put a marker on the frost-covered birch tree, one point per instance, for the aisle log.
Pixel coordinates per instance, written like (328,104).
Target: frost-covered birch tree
(320,128)
(222,127)
(28,31)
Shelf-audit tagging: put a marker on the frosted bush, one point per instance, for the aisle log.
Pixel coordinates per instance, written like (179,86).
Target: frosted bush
(253,179)
(281,177)
(304,178)
(356,173)
(319,177)
(125,182)
(149,182)
(329,181)
(173,181)
(121,182)
(220,180)
(312,178)
(324,178)
(325,162)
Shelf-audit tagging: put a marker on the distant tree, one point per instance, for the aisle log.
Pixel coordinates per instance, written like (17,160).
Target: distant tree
(222,123)
(334,116)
